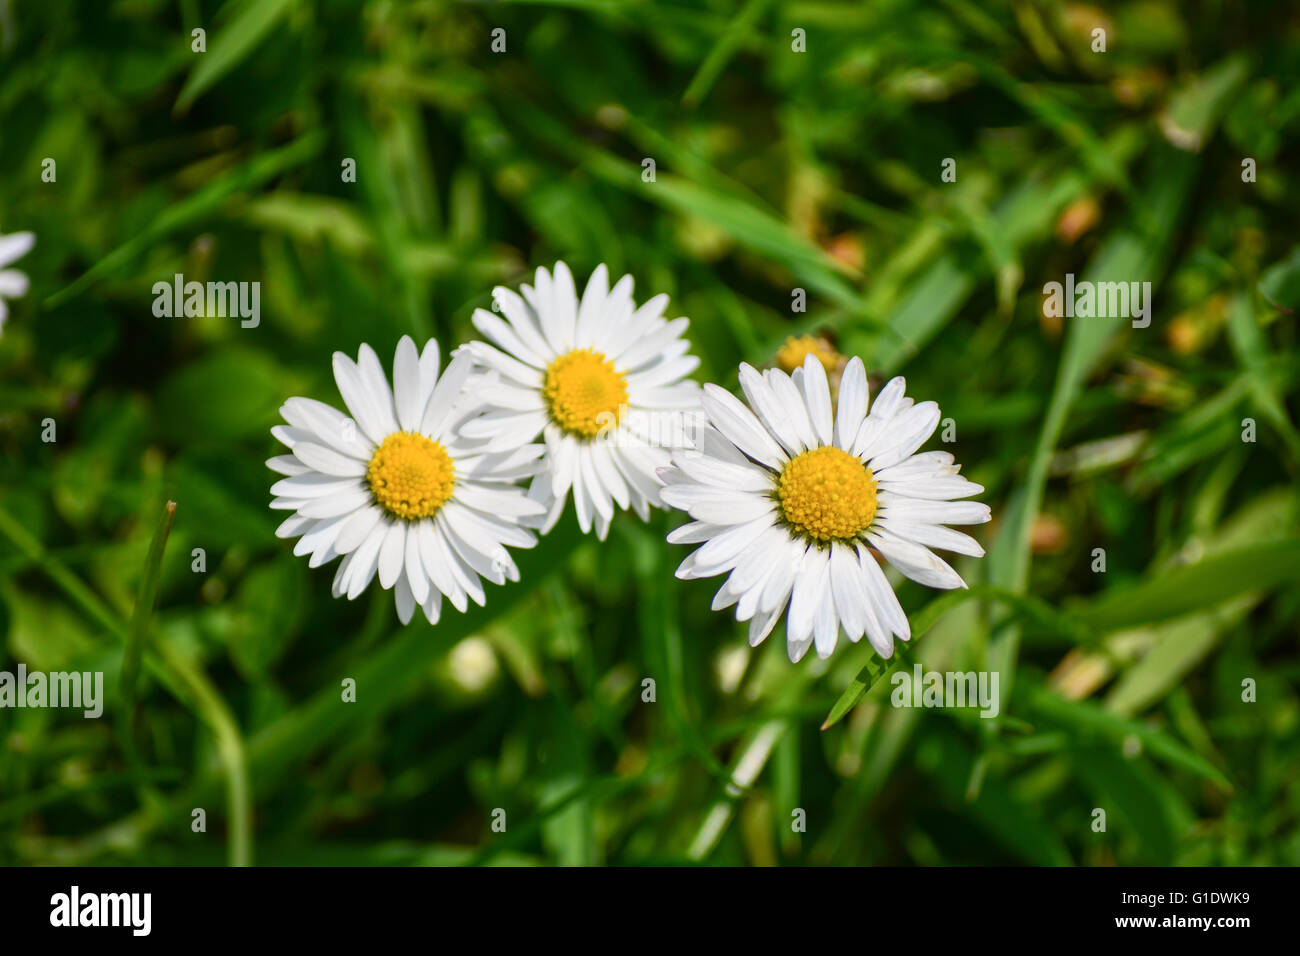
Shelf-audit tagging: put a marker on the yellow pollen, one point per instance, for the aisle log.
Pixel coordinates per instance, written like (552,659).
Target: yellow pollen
(584,392)
(827,495)
(411,476)
(791,354)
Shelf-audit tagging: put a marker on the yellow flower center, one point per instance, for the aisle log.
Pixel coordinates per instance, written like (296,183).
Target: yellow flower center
(791,354)
(584,392)
(827,495)
(411,476)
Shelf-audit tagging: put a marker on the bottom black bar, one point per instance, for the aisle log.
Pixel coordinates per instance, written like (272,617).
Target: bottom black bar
(334,905)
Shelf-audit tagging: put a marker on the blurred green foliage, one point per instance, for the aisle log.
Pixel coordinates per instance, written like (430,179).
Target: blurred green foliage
(775,170)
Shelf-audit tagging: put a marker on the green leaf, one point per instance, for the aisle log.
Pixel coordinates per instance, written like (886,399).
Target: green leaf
(724,48)
(249,23)
(229,394)
(269,606)
(1194,587)
(145,599)
(1194,110)
(194,208)
(1280,284)
(1087,718)
(1252,349)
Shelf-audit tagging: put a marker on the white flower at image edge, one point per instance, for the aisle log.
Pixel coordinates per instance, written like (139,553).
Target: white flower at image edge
(786,496)
(13,284)
(591,376)
(394,491)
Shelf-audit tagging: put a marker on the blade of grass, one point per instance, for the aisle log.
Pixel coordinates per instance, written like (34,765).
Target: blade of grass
(1194,587)
(724,48)
(146,598)
(195,207)
(248,24)
(1088,718)
(876,669)
(1130,254)
(179,675)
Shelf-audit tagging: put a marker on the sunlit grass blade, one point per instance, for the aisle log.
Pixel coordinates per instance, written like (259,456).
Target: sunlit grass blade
(724,48)
(247,26)
(194,208)
(1192,587)
(1025,608)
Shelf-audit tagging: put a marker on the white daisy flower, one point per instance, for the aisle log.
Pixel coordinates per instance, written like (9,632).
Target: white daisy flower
(395,491)
(786,498)
(601,380)
(13,284)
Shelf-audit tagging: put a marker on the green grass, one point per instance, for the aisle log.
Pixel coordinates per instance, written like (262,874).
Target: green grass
(775,170)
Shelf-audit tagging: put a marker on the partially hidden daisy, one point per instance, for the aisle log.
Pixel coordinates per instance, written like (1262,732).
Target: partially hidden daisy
(788,499)
(601,380)
(13,283)
(395,491)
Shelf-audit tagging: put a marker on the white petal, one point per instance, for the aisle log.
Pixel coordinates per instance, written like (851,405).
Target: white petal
(328,425)
(376,383)
(942,488)
(933,536)
(932,512)
(771,412)
(826,626)
(847,590)
(739,425)
(761,624)
(16,245)
(852,403)
(328,461)
(907,432)
(505,501)
(313,485)
(813,580)
(791,399)
(406,385)
(523,321)
(430,360)
(715,504)
(503,334)
(721,474)
(884,603)
(721,553)
(336,504)
(811,380)
(592,309)
(405,601)
(695,532)
(357,529)
(915,561)
(391,553)
(436,564)
(13,284)
(367,409)
(364,561)
(445,394)
(287,465)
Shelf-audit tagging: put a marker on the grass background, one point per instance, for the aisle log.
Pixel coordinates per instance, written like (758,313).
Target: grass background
(775,170)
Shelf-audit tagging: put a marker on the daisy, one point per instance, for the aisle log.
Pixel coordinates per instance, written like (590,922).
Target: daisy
(794,350)
(599,379)
(13,284)
(393,489)
(786,498)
